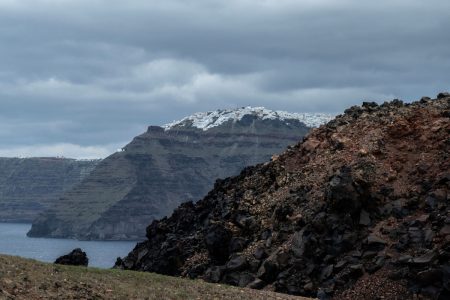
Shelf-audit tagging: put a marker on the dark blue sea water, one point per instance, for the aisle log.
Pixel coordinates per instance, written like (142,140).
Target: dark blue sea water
(102,254)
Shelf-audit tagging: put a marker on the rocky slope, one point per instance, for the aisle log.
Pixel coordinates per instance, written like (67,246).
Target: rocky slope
(166,166)
(28,186)
(357,210)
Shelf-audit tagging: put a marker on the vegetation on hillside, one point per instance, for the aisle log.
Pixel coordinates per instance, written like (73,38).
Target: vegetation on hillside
(28,279)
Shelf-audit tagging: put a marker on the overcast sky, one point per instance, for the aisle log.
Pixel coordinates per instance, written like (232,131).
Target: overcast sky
(80,78)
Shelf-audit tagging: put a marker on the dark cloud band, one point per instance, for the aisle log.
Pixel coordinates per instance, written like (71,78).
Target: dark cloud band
(96,73)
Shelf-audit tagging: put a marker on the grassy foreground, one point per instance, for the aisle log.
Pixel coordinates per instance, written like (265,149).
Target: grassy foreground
(28,279)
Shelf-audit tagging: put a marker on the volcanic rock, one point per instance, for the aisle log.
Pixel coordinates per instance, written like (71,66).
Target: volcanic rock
(364,218)
(331,250)
(237,263)
(257,284)
(424,260)
(75,258)
(372,239)
(443,95)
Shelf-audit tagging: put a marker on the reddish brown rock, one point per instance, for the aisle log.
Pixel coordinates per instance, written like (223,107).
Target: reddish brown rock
(363,232)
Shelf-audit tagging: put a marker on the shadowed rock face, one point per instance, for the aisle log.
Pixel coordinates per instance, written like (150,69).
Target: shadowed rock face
(28,186)
(358,210)
(75,258)
(159,170)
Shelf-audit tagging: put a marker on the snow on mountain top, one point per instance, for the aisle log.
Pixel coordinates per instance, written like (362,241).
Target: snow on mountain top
(210,119)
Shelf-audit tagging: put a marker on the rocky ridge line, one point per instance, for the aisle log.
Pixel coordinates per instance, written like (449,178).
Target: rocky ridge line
(357,210)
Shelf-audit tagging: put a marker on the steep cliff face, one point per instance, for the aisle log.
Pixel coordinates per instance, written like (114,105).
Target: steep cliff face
(358,210)
(166,166)
(28,186)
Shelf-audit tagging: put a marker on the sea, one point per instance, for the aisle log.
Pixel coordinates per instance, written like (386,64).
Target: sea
(101,254)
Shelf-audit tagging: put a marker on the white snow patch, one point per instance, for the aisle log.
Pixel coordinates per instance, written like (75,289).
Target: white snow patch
(210,119)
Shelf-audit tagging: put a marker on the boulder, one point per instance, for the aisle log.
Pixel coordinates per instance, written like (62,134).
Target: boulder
(424,260)
(75,258)
(217,241)
(326,272)
(364,218)
(429,276)
(374,239)
(214,274)
(299,243)
(245,279)
(443,95)
(445,230)
(375,242)
(341,192)
(237,244)
(260,253)
(356,271)
(268,270)
(257,284)
(237,263)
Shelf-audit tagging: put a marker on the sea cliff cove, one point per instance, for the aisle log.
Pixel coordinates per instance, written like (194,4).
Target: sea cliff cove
(239,149)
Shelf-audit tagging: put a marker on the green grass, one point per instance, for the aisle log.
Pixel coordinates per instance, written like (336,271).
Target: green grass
(28,279)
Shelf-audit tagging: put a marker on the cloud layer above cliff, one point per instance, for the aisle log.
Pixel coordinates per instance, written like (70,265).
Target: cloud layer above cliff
(95,73)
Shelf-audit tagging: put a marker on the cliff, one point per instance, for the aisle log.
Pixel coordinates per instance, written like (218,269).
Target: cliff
(357,210)
(29,186)
(166,166)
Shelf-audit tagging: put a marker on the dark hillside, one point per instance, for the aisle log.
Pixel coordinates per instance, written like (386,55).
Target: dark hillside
(358,210)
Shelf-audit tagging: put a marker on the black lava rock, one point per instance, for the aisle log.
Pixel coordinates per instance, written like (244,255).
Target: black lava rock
(75,258)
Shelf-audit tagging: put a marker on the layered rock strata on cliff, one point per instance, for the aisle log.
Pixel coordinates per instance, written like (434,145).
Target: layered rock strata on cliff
(29,186)
(358,210)
(166,166)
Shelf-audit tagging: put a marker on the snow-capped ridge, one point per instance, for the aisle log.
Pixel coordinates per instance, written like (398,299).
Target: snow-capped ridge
(210,119)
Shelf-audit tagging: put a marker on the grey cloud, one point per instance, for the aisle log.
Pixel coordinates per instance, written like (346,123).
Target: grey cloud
(93,73)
